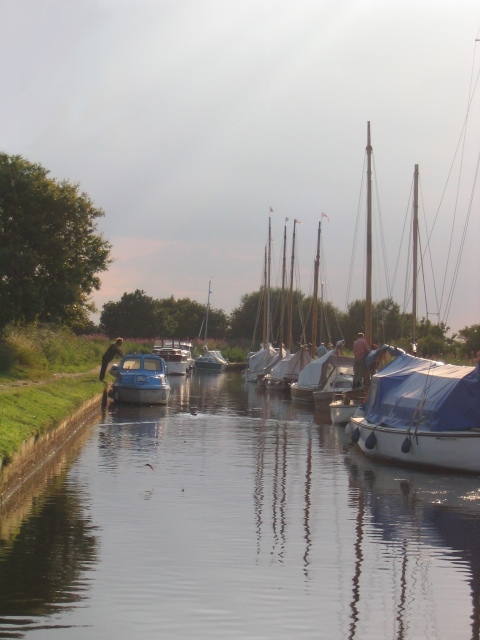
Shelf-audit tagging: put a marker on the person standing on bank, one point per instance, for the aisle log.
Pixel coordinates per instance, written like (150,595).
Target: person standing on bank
(360,351)
(112,351)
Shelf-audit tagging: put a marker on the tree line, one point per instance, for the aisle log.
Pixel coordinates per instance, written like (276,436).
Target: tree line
(52,254)
(138,315)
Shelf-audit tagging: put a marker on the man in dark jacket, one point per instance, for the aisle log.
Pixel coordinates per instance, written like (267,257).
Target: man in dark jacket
(112,351)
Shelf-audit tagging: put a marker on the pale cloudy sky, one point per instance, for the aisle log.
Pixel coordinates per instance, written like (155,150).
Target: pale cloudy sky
(186,120)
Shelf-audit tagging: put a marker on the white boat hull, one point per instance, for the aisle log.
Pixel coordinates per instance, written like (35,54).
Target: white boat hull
(302,393)
(250,376)
(177,356)
(178,368)
(450,450)
(340,413)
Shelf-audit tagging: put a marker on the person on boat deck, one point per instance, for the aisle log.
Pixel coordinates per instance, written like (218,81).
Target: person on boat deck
(321,350)
(112,351)
(360,351)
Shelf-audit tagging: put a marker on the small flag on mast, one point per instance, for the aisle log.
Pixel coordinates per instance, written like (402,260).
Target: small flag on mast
(324,215)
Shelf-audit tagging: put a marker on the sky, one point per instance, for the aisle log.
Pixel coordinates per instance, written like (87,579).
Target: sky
(187,121)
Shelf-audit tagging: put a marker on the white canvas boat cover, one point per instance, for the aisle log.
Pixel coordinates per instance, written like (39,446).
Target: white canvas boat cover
(412,392)
(316,373)
(291,365)
(261,359)
(216,355)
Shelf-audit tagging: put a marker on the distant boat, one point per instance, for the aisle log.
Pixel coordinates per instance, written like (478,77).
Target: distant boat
(177,355)
(210,361)
(287,368)
(140,379)
(260,362)
(320,379)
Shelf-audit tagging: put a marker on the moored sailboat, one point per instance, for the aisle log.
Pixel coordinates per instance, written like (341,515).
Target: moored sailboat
(421,412)
(287,368)
(261,361)
(210,361)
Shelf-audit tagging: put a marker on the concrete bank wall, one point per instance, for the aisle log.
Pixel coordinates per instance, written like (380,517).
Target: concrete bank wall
(42,450)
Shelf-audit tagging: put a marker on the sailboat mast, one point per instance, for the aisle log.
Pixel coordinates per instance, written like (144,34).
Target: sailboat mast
(282,299)
(315,293)
(206,313)
(368,293)
(414,250)
(290,299)
(269,258)
(264,336)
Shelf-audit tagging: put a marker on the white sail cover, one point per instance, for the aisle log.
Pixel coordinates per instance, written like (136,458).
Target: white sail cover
(317,371)
(291,365)
(261,359)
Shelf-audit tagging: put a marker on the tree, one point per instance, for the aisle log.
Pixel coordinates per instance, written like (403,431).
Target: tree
(50,249)
(137,315)
(431,339)
(470,339)
(246,321)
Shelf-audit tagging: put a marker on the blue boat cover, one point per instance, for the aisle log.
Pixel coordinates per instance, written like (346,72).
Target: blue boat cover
(425,395)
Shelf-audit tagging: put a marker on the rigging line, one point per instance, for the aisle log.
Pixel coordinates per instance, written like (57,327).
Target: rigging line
(455,210)
(471,94)
(355,236)
(303,320)
(423,280)
(421,268)
(382,235)
(407,294)
(462,246)
(454,158)
(259,307)
(429,249)
(327,294)
(403,236)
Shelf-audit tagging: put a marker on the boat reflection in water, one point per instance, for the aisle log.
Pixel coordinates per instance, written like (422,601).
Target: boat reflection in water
(417,519)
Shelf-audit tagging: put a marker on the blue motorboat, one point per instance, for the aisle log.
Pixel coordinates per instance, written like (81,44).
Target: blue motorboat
(140,379)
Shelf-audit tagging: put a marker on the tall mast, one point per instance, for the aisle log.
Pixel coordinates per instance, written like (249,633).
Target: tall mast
(414,250)
(282,299)
(268,278)
(264,336)
(322,313)
(206,313)
(368,293)
(290,299)
(315,292)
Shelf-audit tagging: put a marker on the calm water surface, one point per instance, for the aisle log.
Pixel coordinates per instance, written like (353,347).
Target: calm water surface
(254,518)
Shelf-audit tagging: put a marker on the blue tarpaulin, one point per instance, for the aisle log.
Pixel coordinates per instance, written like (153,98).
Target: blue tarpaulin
(421,394)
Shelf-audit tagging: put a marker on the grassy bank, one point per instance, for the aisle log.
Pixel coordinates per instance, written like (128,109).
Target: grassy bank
(31,410)
(45,374)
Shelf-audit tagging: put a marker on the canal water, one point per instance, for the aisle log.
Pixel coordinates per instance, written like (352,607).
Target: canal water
(236,513)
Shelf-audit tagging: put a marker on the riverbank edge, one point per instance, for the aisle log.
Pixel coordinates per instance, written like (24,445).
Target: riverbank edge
(40,449)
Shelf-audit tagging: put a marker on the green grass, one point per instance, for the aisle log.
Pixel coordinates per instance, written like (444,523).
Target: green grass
(27,411)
